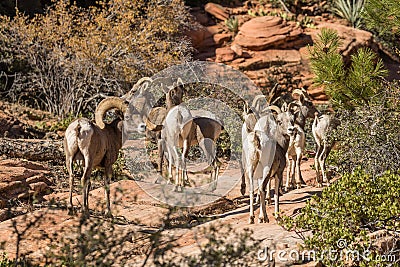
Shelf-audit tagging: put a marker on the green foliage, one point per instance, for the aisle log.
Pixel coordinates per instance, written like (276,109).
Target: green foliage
(258,13)
(233,24)
(382,16)
(348,210)
(68,58)
(306,22)
(5,261)
(349,10)
(347,87)
(369,136)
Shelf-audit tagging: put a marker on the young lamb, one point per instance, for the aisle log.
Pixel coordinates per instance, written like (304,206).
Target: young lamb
(322,126)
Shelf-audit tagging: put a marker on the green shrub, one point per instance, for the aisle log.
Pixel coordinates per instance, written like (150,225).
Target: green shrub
(347,211)
(232,24)
(5,261)
(368,137)
(349,10)
(382,18)
(351,86)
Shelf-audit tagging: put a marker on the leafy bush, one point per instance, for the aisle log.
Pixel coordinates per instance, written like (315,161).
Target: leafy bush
(65,60)
(369,136)
(351,86)
(232,24)
(345,213)
(382,17)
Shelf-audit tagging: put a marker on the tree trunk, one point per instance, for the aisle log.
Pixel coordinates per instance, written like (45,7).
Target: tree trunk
(32,149)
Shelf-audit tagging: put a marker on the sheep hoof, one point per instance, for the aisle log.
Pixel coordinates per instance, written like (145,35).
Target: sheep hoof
(108,214)
(319,185)
(280,192)
(71,210)
(243,190)
(286,189)
(213,186)
(263,220)
(251,220)
(178,188)
(85,214)
(298,186)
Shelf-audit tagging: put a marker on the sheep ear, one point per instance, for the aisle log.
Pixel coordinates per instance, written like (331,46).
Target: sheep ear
(246,108)
(284,107)
(301,98)
(179,82)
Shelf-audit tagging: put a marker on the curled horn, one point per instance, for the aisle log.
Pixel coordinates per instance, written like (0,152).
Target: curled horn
(256,100)
(136,86)
(107,104)
(300,92)
(273,108)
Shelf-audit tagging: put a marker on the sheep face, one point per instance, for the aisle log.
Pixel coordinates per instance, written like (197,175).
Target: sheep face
(134,120)
(138,110)
(174,96)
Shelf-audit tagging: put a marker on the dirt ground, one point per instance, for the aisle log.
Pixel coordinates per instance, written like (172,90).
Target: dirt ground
(136,211)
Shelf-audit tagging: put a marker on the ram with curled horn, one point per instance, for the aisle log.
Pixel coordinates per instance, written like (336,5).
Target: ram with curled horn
(97,145)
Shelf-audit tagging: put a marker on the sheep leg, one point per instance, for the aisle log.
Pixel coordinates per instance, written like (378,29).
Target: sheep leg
(71,183)
(262,217)
(243,184)
(88,186)
(185,151)
(176,161)
(208,147)
(265,182)
(160,155)
(251,192)
(297,173)
(322,159)
(107,179)
(170,160)
(268,192)
(85,185)
(278,177)
(263,211)
(288,174)
(216,171)
(317,167)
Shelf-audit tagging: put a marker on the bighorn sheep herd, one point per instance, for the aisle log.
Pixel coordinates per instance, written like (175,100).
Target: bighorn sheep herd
(265,154)
(269,141)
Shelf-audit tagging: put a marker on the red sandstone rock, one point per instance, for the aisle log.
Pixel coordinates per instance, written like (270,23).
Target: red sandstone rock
(264,32)
(224,54)
(217,11)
